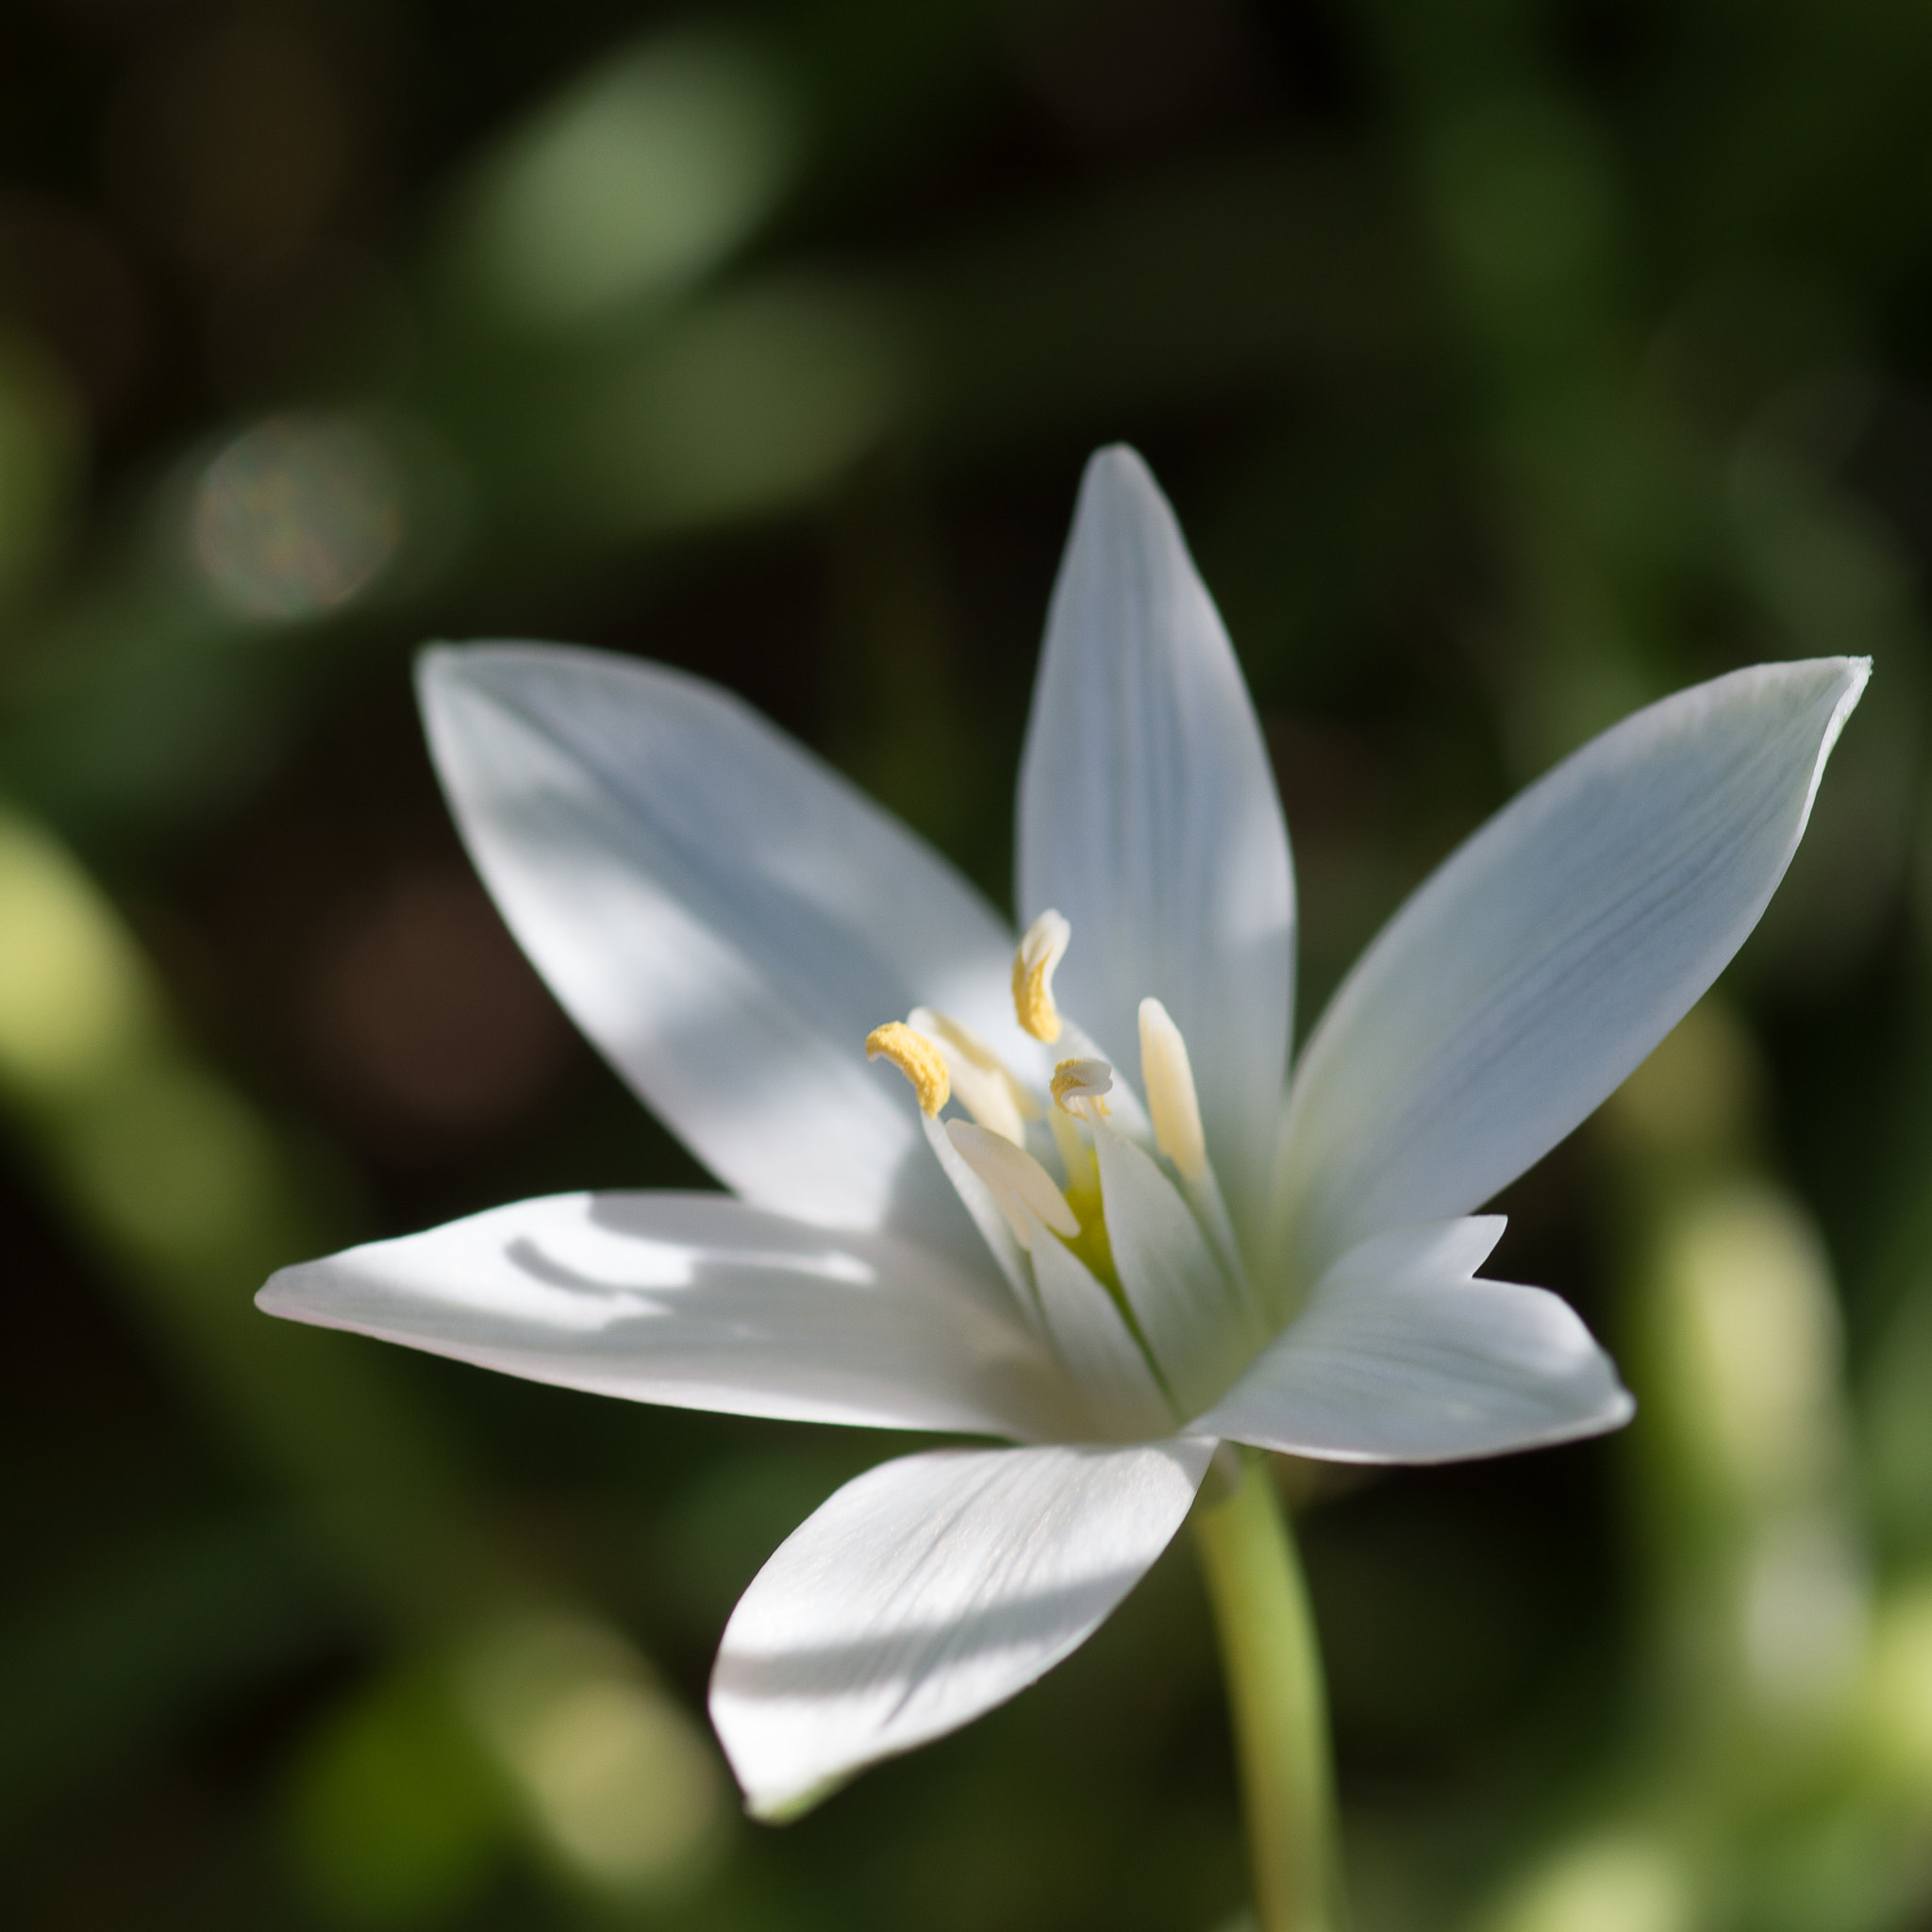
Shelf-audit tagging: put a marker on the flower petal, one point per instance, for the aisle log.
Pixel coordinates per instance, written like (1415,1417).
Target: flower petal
(698,1301)
(1192,1313)
(1149,816)
(723,915)
(1093,1339)
(1548,955)
(928,1591)
(1400,1357)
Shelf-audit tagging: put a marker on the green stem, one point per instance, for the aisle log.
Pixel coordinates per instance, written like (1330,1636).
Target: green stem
(1273,1669)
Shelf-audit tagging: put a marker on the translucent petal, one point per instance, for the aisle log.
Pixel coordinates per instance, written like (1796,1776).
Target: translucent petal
(1149,816)
(928,1591)
(1546,957)
(698,1301)
(1093,1339)
(724,916)
(1192,1313)
(1400,1357)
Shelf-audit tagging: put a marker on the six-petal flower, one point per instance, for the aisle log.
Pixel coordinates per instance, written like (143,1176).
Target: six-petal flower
(1109,1274)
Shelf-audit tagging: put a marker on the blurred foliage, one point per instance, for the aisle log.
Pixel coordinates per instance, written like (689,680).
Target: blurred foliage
(1510,364)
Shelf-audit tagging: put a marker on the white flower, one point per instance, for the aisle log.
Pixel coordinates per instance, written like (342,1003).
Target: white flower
(1109,1273)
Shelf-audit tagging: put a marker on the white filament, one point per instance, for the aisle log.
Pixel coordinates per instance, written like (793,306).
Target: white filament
(1014,1179)
(982,1083)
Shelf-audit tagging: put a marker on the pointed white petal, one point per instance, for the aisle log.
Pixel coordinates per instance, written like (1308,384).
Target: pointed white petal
(924,1594)
(1549,954)
(1400,1357)
(1093,1339)
(1148,815)
(723,915)
(697,1301)
(1190,1312)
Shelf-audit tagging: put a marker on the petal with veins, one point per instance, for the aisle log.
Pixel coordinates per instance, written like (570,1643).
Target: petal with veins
(1548,955)
(1400,1357)
(1148,815)
(926,1592)
(1189,1310)
(697,1301)
(724,916)
(1093,1341)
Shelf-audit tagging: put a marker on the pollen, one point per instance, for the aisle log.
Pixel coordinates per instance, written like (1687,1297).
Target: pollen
(917,1057)
(1079,1085)
(1040,953)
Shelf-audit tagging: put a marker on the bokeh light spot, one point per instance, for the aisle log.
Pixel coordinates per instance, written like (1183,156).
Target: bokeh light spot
(1759,1312)
(637,181)
(296,517)
(616,1778)
(177,1167)
(1617,1884)
(72,999)
(745,402)
(1898,1702)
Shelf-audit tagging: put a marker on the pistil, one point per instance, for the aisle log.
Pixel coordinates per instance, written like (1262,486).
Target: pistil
(1079,1087)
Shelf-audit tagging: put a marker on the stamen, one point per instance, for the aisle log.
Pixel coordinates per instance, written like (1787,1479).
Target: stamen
(915,1057)
(1077,1087)
(1039,952)
(1014,1179)
(1172,1104)
(981,1082)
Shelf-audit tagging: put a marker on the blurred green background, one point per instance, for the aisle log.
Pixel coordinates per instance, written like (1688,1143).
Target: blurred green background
(1509,364)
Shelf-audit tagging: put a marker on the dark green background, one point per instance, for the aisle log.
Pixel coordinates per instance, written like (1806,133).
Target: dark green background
(1508,365)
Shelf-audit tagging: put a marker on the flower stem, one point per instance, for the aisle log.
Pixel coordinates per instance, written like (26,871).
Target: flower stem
(1273,1669)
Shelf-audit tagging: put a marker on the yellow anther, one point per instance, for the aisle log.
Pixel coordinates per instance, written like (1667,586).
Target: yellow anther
(1079,1085)
(917,1057)
(1014,1179)
(1039,952)
(981,1082)
(1171,1105)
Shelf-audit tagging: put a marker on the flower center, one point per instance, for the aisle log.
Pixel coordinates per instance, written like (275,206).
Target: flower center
(1010,1136)
(946,1060)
